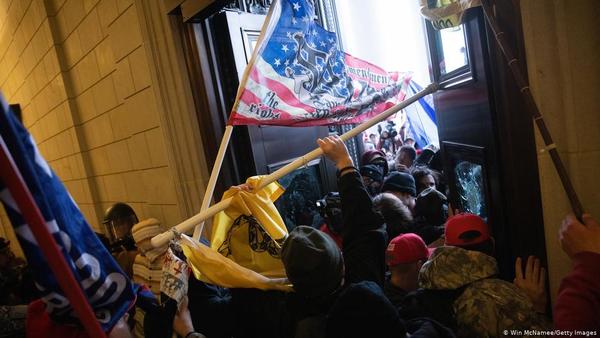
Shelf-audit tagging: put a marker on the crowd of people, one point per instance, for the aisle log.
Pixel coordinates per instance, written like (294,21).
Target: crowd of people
(391,260)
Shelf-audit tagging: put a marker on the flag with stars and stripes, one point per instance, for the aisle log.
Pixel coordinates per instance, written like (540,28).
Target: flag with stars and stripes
(106,286)
(298,76)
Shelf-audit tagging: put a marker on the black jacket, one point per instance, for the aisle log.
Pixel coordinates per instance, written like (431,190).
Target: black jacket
(364,243)
(364,234)
(393,293)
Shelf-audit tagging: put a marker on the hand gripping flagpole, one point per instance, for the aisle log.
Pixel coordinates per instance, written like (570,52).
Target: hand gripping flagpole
(188,224)
(34,218)
(513,64)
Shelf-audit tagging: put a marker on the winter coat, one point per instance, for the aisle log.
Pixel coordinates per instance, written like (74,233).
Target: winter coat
(487,306)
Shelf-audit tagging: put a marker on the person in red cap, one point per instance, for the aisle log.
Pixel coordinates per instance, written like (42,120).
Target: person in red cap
(404,257)
(482,305)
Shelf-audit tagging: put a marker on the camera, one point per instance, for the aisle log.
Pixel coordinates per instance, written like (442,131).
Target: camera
(330,208)
(390,129)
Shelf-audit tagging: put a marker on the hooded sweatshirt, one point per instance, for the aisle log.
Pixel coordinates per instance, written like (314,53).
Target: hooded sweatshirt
(487,306)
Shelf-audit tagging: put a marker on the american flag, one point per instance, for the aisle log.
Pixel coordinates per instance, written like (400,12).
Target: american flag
(107,288)
(298,76)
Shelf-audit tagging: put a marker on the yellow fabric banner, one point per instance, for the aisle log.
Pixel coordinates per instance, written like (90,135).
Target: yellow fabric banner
(211,267)
(446,13)
(250,231)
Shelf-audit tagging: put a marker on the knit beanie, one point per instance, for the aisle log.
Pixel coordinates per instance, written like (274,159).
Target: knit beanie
(400,181)
(312,261)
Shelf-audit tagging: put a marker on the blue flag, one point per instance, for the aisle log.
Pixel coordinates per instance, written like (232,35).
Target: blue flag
(421,117)
(107,288)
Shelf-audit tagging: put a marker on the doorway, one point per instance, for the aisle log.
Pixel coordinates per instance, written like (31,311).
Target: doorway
(483,128)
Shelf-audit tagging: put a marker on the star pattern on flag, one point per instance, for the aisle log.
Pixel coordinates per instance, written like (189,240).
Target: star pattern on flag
(302,47)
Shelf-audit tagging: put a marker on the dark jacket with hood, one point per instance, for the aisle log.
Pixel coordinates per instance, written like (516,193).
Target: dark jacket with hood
(483,306)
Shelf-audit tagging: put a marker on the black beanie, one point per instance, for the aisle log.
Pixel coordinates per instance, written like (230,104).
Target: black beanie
(373,172)
(312,261)
(400,181)
(430,205)
(362,310)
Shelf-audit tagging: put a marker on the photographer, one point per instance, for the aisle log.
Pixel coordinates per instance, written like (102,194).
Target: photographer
(330,208)
(389,141)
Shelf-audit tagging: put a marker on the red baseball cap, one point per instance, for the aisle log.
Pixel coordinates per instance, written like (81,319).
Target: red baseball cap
(406,248)
(466,229)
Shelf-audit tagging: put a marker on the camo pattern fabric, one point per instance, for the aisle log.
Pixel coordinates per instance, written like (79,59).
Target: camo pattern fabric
(488,306)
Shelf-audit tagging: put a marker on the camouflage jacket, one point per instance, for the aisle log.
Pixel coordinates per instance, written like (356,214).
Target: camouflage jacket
(488,306)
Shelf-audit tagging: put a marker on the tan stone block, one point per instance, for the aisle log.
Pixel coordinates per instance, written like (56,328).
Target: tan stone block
(143,111)
(105,57)
(136,191)
(88,5)
(57,92)
(119,122)
(75,188)
(50,123)
(20,41)
(74,12)
(98,183)
(172,215)
(72,50)
(140,69)
(138,208)
(53,6)
(123,5)
(158,153)
(68,137)
(115,188)
(86,107)
(124,80)
(87,194)
(89,213)
(88,71)
(118,157)
(99,161)
(153,211)
(103,129)
(159,186)
(42,41)
(72,167)
(51,63)
(139,151)
(105,97)
(90,31)
(107,12)
(125,34)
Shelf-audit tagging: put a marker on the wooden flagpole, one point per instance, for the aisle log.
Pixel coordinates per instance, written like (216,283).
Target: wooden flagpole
(214,175)
(265,30)
(186,225)
(513,64)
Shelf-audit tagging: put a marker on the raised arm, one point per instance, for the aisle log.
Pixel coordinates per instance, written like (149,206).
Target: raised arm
(357,208)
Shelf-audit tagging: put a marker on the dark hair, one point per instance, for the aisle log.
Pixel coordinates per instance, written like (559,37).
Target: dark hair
(487,247)
(418,173)
(412,153)
(396,214)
